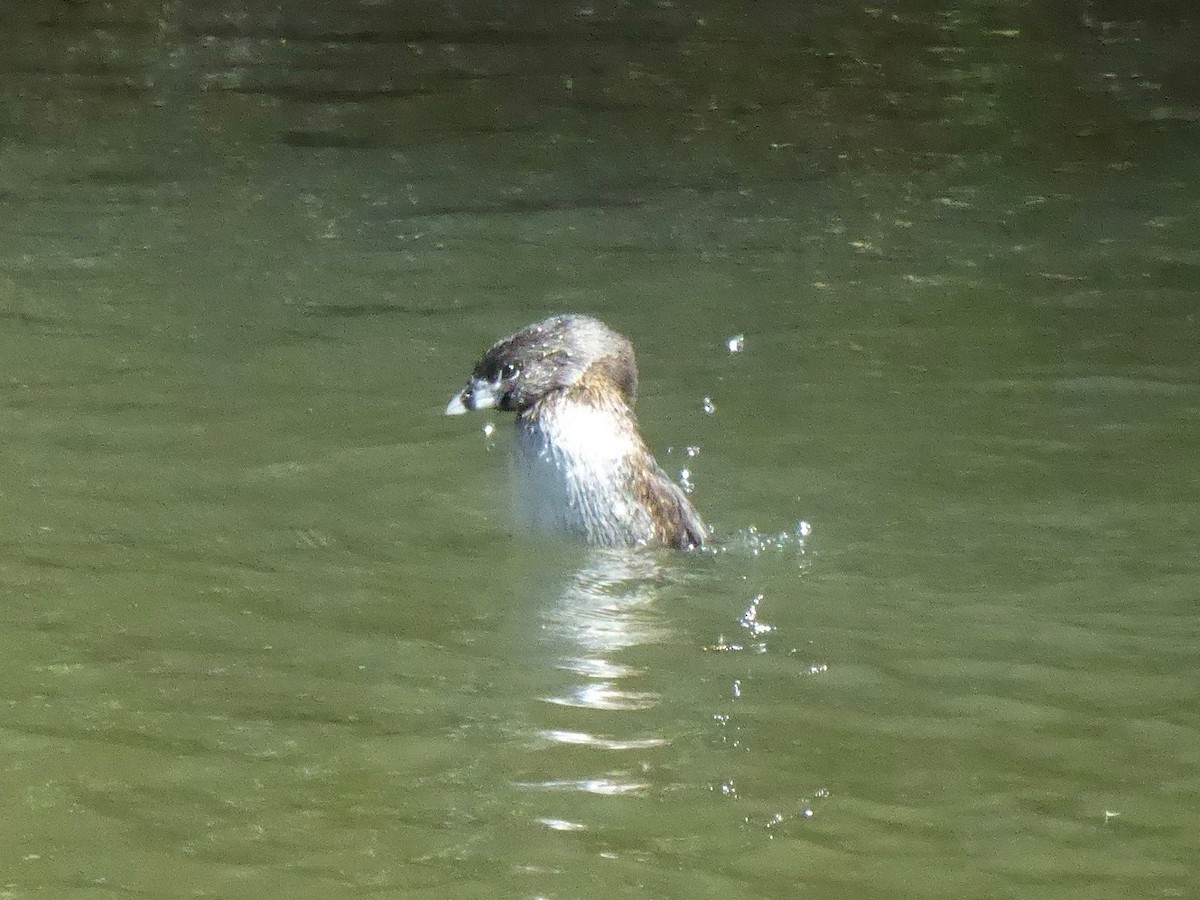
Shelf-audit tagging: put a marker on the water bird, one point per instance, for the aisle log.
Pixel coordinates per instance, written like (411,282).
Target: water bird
(582,464)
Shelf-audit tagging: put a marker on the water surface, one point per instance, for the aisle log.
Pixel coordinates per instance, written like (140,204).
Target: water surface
(270,630)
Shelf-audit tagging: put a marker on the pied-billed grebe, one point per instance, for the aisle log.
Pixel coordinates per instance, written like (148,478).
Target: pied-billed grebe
(572,381)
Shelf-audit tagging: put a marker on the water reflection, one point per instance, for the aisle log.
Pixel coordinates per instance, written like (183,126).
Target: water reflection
(607,607)
(599,708)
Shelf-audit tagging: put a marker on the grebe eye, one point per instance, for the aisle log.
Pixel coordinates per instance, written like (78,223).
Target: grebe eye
(509,370)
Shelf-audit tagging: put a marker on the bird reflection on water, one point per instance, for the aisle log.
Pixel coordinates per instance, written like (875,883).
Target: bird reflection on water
(608,606)
(593,629)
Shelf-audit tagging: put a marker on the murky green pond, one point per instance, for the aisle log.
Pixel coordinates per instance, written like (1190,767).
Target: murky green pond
(268,629)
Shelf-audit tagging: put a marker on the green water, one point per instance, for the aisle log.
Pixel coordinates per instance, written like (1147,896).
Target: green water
(268,628)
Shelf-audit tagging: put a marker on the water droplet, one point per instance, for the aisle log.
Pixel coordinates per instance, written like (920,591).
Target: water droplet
(736,344)
(692,451)
(803,529)
(749,619)
(708,406)
(489,428)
